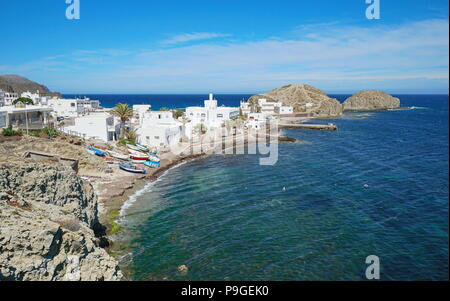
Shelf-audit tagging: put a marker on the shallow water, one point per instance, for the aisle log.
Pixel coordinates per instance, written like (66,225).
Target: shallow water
(379,185)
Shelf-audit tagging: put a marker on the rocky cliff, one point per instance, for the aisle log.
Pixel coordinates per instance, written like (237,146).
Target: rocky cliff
(48,219)
(371,100)
(19,84)
(304,98)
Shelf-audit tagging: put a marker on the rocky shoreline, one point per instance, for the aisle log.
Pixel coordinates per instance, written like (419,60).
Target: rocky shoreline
(49,226)
(54,222)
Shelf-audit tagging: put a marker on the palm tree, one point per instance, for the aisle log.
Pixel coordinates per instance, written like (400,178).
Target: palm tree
(130,135)
(124,112)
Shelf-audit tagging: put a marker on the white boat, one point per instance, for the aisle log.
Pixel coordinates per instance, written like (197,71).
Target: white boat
(117,155)
(133,147)
(137,153)
(142,147)
(154,158)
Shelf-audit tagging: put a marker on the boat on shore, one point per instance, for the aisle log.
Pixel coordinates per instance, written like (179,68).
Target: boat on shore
(95,151)
(152,164)
(142,147)
(99,147)
(131,168)
(153,157)
(133,147)
(118,155)
(139,157)
(109,160)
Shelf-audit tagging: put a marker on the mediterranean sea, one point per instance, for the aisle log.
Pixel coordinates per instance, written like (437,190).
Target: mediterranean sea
(377,186)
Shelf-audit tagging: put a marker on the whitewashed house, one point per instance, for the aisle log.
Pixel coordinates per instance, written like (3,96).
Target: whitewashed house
(210,115)
(158,129)
(256,121)
(268,107)
(245,107)
(26,117)
(9,97)
(285,110)
(35,97)
(95,125)
(63,107)
(138,113)
(75,107)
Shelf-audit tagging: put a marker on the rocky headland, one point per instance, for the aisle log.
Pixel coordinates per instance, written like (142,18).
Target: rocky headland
(18,84)
(49,225)
(370,100)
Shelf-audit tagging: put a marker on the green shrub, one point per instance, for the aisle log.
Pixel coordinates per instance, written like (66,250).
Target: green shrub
(115,227)
(123,141)
(50,131)
(34,133)
(8,132)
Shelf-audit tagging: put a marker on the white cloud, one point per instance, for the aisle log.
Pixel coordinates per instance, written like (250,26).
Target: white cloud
(408,55)
(196,36)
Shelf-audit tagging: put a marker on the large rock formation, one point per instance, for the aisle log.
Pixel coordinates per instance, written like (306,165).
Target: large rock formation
(304,98)
(19,84)
(368,100)
(47,220)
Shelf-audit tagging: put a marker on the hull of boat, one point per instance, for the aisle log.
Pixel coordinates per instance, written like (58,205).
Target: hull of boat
(95,151)
(133,147)
(131,168)
(118,156)
(153,158)
(142,147)
(152,164)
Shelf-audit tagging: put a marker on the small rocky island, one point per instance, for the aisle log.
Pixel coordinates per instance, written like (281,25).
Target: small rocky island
(369,100)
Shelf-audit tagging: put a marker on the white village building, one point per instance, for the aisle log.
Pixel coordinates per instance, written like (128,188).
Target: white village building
(268,107)
(95,125)
(285,110)
(138,113)
(256,121)
(30,117)
(75,107)
(245,107)
(9,97)
(210,115)
(158,129)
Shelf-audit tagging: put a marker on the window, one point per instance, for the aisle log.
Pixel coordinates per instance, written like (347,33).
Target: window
(220,115)
(157,137)
(203,115)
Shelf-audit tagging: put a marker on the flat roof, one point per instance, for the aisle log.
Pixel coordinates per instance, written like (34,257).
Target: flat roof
(28,108)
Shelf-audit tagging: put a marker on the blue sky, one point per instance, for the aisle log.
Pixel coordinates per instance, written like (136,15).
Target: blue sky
(146,46)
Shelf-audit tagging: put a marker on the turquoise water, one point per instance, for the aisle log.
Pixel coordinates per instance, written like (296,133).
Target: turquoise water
(379,185)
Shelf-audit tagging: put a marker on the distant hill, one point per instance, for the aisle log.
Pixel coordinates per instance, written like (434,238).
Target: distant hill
(19,84)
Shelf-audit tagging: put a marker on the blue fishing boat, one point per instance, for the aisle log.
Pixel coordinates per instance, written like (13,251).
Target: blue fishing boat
(131,168)
(152,164)
(95,151)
